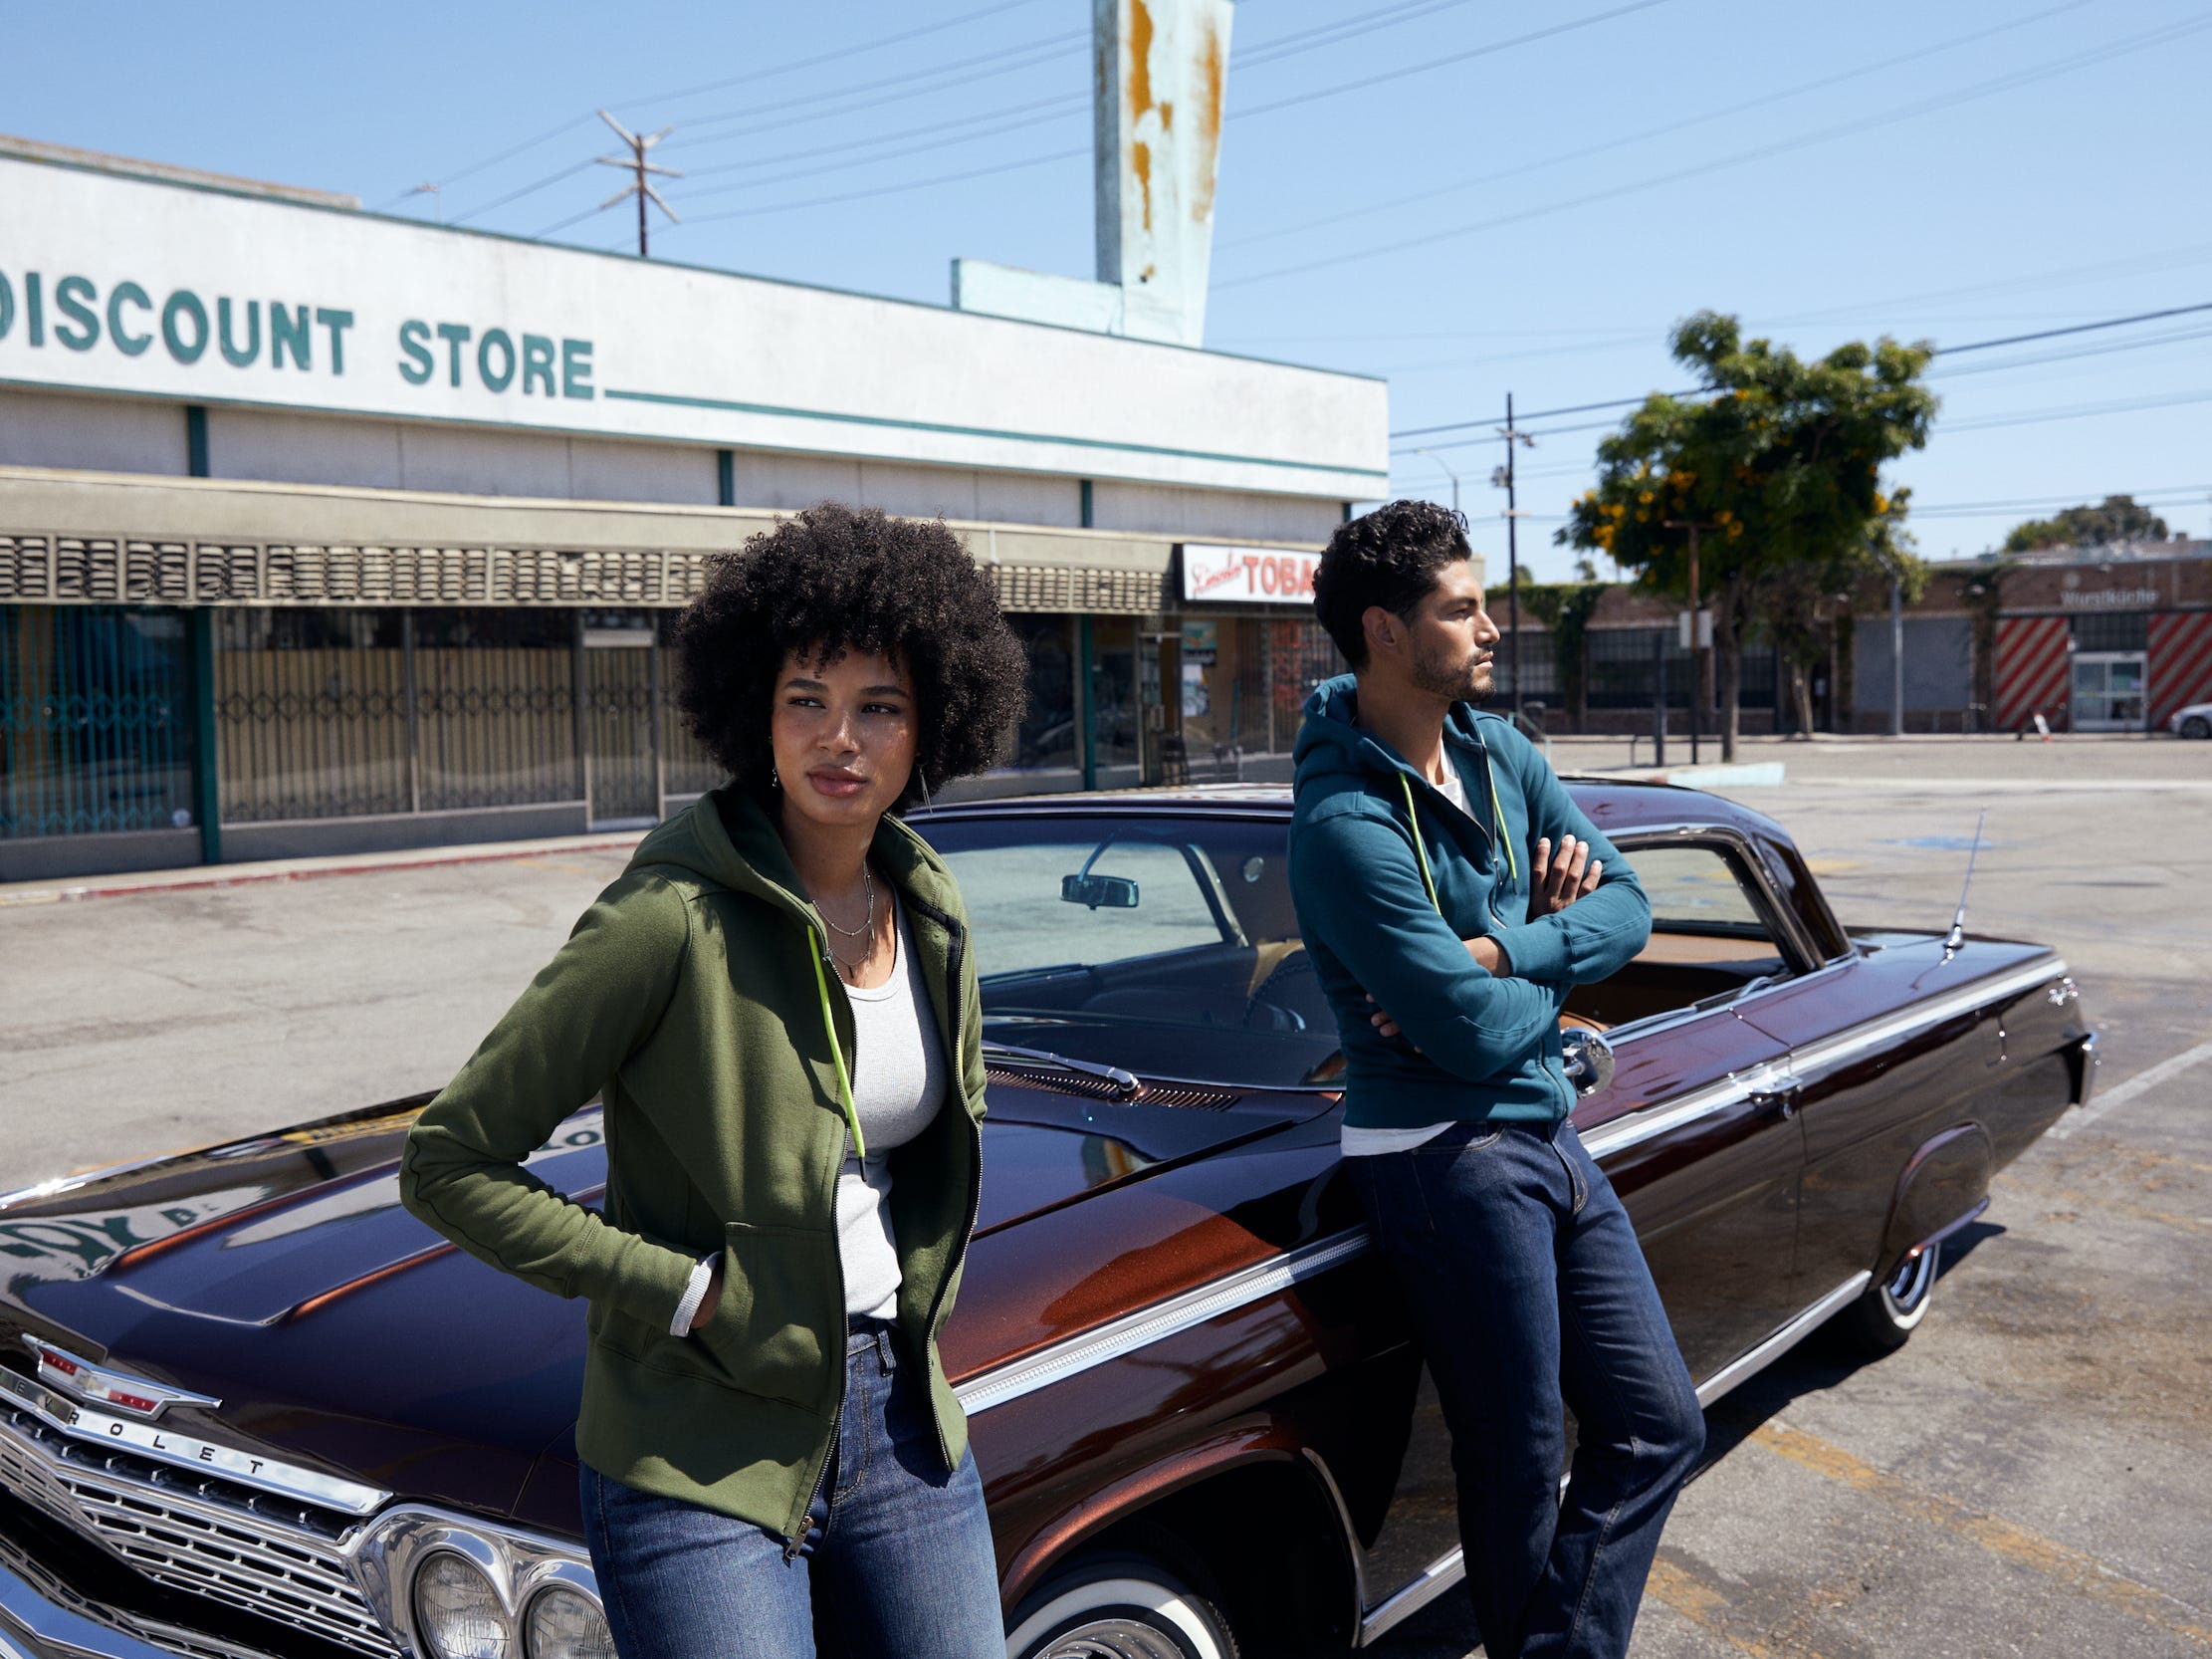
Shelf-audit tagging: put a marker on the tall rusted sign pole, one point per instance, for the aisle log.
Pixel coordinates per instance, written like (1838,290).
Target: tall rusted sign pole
(641,187)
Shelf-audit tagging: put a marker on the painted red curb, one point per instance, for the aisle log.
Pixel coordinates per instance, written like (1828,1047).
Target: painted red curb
(66,895)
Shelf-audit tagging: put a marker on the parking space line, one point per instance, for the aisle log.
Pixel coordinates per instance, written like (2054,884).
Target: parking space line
(2143,1083)
(2085,1575)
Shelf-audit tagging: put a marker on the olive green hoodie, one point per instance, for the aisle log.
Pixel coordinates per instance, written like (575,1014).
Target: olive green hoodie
(692,997)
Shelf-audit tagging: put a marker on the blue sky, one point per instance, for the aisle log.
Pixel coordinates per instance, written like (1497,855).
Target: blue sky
(1487,212)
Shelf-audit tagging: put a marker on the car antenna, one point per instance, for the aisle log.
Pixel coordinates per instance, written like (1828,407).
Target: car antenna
(1956,940)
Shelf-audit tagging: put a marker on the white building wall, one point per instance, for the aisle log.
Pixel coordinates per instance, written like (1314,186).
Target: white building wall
(94,434)
(1171,510)
(284,448)
(679,474)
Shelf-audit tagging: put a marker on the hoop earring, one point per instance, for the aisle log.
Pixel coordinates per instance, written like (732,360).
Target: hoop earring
(922,778)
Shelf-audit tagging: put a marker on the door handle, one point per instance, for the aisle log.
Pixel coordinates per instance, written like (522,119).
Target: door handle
(1777,1095)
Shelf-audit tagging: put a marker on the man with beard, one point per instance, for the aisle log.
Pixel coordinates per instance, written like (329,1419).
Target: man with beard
(1451,895)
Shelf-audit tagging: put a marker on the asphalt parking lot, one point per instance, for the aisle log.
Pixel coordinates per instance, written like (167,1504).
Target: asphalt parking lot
(2031,1475)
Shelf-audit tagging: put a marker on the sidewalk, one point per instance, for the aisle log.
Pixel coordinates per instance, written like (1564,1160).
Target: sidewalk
(13,894)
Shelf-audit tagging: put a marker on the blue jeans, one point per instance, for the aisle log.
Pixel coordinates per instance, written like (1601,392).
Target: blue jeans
(1528,1292)
(899,1561)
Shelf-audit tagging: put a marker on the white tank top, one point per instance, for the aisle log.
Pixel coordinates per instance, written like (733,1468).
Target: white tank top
(898,1087)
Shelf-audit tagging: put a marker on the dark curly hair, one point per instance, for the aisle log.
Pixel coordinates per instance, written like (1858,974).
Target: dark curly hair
(1390,558)
(839,579)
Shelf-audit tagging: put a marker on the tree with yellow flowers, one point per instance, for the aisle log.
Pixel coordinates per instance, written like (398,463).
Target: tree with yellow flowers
(1771,472)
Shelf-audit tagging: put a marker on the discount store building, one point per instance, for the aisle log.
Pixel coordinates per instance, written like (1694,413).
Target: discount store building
(322,530)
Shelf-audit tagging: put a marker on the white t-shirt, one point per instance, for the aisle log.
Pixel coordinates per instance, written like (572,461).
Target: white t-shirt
(898,1088)
(1363,1143)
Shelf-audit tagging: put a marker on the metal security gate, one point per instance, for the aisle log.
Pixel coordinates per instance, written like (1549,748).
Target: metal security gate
(96,722)
(622,785)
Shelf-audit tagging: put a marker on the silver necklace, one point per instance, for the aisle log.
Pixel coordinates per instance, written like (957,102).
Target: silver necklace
(865,928)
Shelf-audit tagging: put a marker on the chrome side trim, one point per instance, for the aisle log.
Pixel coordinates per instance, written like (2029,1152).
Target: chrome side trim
(1650,1122)
(1394,1609)
(1747,1365)
(1847,1045)
(184,1452)
(1132,1332)
(1829,1052)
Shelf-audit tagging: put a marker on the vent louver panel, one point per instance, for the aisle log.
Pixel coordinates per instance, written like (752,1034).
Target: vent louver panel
(80,570)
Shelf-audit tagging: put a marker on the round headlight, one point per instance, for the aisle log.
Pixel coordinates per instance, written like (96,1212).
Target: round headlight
(565,1625)
(457,1612)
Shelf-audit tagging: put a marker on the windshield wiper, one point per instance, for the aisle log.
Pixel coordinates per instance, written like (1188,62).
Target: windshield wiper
(1124,1082)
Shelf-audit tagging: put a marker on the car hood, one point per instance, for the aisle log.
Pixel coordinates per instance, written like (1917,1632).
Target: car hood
(281,1275)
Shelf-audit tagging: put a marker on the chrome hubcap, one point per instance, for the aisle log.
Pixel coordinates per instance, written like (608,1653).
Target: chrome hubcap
(1908,1285)
(1114,1639)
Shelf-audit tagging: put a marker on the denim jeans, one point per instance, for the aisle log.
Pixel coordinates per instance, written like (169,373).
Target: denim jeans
(1528,1292)
(899,1561)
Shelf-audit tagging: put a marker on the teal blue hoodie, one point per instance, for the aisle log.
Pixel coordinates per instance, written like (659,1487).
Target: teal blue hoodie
(1472,1044)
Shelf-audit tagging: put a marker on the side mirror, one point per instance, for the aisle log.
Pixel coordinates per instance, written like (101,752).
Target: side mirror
(1588,1060)
(1099,892)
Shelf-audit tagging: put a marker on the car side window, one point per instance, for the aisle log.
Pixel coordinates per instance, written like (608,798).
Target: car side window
(1710,938)
(1697,889)
(1014,900)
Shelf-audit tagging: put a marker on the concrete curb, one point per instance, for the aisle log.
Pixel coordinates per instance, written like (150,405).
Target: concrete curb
(301,870)
(1743,774)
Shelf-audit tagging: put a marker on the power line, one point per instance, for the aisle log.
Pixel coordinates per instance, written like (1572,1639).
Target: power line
(786,68)
(1650,132)
(2000,84)
(1449,58)
(1045,110)
(873,190)
(1938,352)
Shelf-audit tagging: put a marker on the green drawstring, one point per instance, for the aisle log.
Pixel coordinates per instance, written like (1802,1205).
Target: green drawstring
(1497,810)
(1427,880)
(837,1053)
(1497,818)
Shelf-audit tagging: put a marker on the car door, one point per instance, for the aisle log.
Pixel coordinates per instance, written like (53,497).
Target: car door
(1699,1132)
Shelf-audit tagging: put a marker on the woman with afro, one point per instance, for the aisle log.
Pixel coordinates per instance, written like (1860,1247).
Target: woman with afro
(777,1005)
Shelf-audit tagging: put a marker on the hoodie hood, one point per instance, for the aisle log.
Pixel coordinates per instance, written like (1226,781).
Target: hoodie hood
(726,838)
(1331,743)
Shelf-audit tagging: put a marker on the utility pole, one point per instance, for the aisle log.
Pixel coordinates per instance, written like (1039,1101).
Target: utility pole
(641,187)
(1696,637)
(1504,476)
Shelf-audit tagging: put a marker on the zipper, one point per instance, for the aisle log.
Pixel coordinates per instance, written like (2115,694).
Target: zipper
(796,1542)
(955,962)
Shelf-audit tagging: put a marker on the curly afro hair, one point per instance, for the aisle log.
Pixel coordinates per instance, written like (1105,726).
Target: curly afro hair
(1390,558)
(834,580)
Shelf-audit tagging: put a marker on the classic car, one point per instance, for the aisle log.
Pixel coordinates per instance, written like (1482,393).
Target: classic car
(249,1406)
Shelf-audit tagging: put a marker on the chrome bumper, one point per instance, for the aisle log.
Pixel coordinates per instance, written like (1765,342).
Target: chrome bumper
(35,1623)
(2087,1084)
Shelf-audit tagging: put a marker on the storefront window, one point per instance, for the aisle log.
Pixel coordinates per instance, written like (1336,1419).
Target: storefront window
(1114,710)
(311,710)
(1302,656)
(496,710)
(1046,735)
(96,721)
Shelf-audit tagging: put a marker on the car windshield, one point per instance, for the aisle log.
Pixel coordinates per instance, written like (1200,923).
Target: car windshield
(1165,945)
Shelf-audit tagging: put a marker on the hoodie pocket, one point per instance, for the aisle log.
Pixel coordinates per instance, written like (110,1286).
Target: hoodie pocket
(779,1316)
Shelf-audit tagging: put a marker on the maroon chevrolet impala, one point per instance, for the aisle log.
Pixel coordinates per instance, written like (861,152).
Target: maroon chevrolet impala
(250,1407)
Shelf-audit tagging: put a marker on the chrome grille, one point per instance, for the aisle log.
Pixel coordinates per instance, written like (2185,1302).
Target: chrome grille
(171,1638)
(272,1557)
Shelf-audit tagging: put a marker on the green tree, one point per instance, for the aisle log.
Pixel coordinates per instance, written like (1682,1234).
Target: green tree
(1771,472)
(2119,519)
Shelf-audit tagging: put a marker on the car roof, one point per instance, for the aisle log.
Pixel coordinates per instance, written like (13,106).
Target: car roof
(1615,804)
